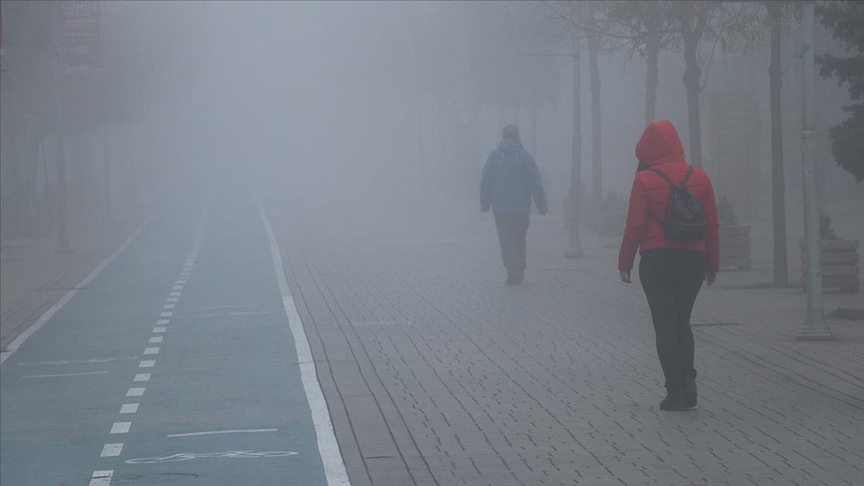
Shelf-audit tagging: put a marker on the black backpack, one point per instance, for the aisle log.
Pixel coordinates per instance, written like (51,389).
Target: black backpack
(685,215)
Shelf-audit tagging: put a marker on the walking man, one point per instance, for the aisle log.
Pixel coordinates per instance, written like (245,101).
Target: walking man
(510,179)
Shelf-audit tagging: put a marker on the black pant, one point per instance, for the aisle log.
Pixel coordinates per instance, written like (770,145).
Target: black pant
(512,232)
(671,279)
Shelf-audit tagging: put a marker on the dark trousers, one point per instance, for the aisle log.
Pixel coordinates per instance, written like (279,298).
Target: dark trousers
(671,279)
(512,232)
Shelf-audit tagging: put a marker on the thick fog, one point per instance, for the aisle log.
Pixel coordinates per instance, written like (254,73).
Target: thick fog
(379,106)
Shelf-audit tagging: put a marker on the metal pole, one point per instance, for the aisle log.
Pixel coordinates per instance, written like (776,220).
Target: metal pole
(814,327)
(574,248)
(62,211)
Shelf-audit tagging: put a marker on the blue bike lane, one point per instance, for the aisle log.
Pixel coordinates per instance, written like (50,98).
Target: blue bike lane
(182,362)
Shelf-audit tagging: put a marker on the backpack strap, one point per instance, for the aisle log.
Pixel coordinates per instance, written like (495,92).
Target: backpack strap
(666,178)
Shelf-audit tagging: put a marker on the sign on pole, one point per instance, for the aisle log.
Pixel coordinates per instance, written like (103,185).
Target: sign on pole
(79,44)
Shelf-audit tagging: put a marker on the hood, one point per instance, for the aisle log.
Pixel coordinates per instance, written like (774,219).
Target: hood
(659,142)
(510,146)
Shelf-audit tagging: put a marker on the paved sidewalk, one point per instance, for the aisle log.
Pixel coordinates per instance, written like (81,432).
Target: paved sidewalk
(439,374)
(33,276)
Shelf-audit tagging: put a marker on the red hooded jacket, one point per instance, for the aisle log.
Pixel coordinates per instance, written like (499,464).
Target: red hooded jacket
(660,148)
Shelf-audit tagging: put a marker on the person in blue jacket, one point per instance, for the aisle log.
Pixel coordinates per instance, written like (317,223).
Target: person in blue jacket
(510,179)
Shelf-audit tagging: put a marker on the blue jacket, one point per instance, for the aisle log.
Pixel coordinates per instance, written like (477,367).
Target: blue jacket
(510,178)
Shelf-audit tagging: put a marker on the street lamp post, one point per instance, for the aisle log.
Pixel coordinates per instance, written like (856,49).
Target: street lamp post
(814,327)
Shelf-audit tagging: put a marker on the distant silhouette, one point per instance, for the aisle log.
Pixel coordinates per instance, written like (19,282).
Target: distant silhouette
(672,266)
(510,179)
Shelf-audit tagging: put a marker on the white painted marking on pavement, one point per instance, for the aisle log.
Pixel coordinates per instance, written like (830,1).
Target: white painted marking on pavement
(177,287)
(214,432)
(153,350)
(180,282)
(166,314)
(175,294)
(78,361)
(129,408)
(163,322)
(172,299)
(120,428)
(331,457)
(238,306)
(48,314)
(142,377)
(156,339)
(147,363)
(169,306)
(111,450)
(65,374)
(136,392)
(158,329)
(101,478)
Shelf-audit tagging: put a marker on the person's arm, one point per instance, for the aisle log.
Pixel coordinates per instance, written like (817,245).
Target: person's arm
(637,222)
(536,185)
(486,183)
(712,236)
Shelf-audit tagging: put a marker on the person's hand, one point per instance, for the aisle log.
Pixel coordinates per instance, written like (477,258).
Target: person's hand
(710,278)
(625,276)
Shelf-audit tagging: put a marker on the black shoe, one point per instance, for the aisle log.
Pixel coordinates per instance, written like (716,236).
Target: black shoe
(688,393)
(674,402)
(512,280)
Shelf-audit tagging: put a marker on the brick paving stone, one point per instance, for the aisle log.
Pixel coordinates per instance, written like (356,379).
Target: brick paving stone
(556,381)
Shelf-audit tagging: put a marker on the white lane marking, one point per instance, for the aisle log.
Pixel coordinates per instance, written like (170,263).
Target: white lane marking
(129,408)
(175,294)
(156,339)
(163,322)
(177,287)
(238,306)
(214,432)
(334,466)
(153,350)
(111,450)
(78,361)
(136,392)
(101,478)
(65,374)
(142,377)
(147,363)
(188,456)
(180,282)
(184,274)
(172,299)
(200,316)
(158,329)
(166,314)
(48,314)
(169,306)
(120,428)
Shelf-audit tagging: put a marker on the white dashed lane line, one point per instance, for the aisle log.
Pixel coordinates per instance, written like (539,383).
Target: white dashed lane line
(103,477)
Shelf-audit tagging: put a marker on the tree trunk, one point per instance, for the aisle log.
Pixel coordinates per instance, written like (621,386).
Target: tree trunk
(106,175)
(574,248)
(778,181)
(534,129)
(596,125)
(652,55)
(692,78)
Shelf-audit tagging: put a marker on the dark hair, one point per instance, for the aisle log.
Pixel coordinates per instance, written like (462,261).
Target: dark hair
(511,132)
(641,167)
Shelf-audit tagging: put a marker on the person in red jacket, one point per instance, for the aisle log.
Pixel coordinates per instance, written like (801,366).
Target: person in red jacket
(671,272)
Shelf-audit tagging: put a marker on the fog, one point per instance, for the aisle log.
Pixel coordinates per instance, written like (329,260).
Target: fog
(381,107)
